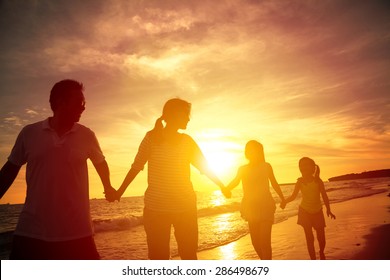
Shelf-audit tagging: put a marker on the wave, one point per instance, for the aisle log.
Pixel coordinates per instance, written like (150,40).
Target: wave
(123,223)
(117,224)
(359,195)
(220,209)
(338,192)
(128,222)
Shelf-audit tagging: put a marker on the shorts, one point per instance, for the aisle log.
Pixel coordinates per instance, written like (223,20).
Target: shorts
(26,248)
(308,220)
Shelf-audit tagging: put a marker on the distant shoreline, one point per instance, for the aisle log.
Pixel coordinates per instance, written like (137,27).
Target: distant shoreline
(364,175)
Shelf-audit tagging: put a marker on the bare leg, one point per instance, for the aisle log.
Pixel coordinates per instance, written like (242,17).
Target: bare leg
(261,239)
(186,234)
(254,230)
(310,242)
(321,242)
(265,238)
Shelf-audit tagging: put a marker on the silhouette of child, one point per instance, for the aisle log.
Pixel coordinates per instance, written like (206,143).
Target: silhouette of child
(310,213)
(257,206)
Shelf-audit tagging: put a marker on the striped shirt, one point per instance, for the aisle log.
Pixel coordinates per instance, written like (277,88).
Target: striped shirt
(169,167)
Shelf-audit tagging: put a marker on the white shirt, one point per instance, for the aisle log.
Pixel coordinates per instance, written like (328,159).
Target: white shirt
(57,200)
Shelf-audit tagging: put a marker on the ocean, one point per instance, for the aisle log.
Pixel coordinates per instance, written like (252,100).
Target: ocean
(119,232)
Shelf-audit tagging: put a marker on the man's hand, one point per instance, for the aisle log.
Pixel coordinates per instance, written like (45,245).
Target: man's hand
(111,194)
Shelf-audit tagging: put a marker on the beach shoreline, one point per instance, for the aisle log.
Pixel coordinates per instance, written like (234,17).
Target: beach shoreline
(360,232)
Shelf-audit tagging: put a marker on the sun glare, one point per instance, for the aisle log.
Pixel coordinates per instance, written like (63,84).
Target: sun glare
(221,162)
(220,159)
(217,199)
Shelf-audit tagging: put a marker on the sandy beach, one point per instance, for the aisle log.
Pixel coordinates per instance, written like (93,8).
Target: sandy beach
(360,231)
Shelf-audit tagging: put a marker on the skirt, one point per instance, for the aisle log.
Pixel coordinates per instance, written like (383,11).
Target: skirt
(314,220)
(259,211)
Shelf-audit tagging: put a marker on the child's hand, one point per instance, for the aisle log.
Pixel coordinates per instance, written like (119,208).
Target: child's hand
(330,214)
(226,192)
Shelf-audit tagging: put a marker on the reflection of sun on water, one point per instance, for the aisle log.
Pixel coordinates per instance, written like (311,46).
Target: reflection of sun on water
(217,199)
(222,227)
(222,222)
(229,251)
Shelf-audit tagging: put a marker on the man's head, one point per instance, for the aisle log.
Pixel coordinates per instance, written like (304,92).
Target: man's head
(67,99)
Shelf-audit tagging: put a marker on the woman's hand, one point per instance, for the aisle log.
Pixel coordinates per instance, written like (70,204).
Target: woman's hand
(111,194)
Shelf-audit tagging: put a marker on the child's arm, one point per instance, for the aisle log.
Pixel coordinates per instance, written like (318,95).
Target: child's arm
(326,200)
(276,186)
(293,195)
(234,183)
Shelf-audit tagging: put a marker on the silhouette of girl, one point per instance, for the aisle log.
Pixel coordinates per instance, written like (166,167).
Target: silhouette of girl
(257,206)
(310,213)
(169,198)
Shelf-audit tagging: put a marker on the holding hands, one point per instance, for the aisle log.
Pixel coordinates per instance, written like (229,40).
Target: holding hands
(226,192)
(283,204)
(111,194)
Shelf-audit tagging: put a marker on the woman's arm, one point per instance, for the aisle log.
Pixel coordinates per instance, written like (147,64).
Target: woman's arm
(199,161)
(140,160)
(275,185)
(127,181)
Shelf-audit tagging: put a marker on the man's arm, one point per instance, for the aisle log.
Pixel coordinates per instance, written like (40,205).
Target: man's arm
(8,173)
(104,174)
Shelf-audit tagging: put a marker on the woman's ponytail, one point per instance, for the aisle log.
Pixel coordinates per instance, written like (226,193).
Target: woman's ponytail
(158,126)
(158,129)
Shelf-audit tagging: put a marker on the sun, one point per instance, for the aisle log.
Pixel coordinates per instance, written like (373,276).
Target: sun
(220,158)
(220,162)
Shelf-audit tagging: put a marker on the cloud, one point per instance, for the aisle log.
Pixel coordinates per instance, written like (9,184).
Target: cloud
(26,116)
(13,120)
(31,112)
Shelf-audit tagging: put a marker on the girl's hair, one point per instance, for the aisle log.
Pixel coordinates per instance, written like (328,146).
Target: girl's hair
(309,161)
(173,109)
(254,151)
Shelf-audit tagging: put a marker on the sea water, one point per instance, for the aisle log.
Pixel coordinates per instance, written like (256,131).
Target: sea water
(119,232)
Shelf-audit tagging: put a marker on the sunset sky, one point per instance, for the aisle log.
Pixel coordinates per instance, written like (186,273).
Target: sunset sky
(305,78)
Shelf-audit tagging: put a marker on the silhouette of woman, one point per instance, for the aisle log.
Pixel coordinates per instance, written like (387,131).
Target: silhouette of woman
(170,199)
(257,206)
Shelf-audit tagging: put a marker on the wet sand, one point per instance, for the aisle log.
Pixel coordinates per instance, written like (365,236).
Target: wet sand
(360,232)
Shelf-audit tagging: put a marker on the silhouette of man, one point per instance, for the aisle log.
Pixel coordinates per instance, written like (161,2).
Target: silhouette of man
(55,221)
